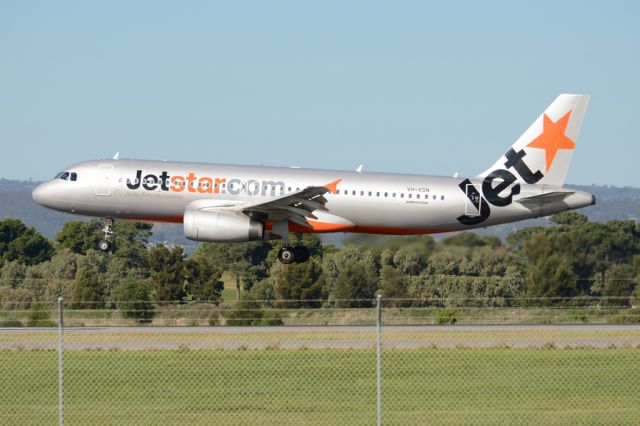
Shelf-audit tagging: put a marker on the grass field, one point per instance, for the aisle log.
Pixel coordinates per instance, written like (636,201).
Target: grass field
(329,386)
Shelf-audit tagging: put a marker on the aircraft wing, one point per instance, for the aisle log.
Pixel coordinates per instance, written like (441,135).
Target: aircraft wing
(295,207)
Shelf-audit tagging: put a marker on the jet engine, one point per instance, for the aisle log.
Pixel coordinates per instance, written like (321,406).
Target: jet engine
(221,226)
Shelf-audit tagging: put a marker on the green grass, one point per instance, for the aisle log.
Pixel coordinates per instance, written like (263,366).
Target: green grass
(330,386)
(199,313)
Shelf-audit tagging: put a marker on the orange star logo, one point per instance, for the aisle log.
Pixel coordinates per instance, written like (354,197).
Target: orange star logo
(553,138)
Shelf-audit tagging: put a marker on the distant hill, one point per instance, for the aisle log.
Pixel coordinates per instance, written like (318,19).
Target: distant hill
(16,202)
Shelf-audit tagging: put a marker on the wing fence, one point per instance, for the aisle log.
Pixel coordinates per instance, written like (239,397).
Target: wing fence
(201,363)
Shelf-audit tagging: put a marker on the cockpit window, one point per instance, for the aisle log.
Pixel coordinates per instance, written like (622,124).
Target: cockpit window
(72,176)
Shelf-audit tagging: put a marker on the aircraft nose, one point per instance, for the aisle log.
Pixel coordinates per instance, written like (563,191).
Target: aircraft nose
(41,194)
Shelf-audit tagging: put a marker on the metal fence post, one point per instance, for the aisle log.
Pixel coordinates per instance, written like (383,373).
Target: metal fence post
(379,358)
(60,361)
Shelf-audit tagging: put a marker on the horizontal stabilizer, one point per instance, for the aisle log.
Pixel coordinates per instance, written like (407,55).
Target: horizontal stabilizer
(546,198)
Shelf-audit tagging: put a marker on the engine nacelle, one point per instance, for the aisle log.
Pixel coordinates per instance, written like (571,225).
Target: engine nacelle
(221,226)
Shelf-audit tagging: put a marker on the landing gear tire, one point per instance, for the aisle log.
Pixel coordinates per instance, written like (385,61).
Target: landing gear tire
(286,255)
(104,245)
(297,254)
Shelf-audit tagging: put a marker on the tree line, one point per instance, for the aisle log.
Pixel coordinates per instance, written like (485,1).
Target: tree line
(570,262)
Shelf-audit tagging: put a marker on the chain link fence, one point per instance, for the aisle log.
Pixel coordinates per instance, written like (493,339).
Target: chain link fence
(402,364)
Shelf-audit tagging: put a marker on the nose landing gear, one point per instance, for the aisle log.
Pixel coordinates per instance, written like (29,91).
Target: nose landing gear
(107,229)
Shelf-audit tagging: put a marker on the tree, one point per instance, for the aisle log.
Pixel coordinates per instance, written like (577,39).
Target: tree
(12,274)
(471,239)
(166,273)
(409,262)
(298,285)
(22,244)
(394,285)
(74,236)
(88,290)
(203,279)
(134,301)
(551,277)
(247,262)
(353,287)
(569,218)
(620,284)
(130,239)
(351,273)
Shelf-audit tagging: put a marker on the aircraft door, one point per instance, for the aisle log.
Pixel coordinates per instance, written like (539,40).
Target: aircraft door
(473,204)
(103,184)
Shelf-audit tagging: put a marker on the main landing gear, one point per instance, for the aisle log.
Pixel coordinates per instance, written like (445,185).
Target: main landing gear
(107,229)
(296,254)
(288,254)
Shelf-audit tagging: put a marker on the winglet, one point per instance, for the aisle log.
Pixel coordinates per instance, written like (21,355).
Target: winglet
(333,186)
(116,155)
(360,167)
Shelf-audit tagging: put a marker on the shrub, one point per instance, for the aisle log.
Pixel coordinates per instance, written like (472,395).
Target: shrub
(249,311)
(270,317)
(447,316)
(631,316)
(246,312)
(39,317)
(213,319)
(134,301)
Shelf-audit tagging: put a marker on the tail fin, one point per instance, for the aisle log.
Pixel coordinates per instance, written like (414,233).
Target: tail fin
(543,153)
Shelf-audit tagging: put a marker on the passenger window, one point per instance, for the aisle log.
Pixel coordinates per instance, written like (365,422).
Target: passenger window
(394,195)
(386,194)
(369,193)
(409,195)
(434,197)
(417,196)
(361,193)
(377,194)
(290,190)
(353,193)
(442,197)
(337,191)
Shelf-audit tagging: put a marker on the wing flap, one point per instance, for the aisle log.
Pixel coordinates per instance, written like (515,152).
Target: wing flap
(296,207)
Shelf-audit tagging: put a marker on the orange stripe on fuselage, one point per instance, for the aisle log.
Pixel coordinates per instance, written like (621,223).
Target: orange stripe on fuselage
(318,227)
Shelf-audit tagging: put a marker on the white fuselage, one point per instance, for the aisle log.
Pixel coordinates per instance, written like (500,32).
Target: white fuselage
(368,202)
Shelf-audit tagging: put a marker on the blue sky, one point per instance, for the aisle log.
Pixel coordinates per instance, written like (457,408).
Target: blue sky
(416,87)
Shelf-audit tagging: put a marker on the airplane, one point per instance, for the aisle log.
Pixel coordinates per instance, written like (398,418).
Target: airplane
(233,203)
